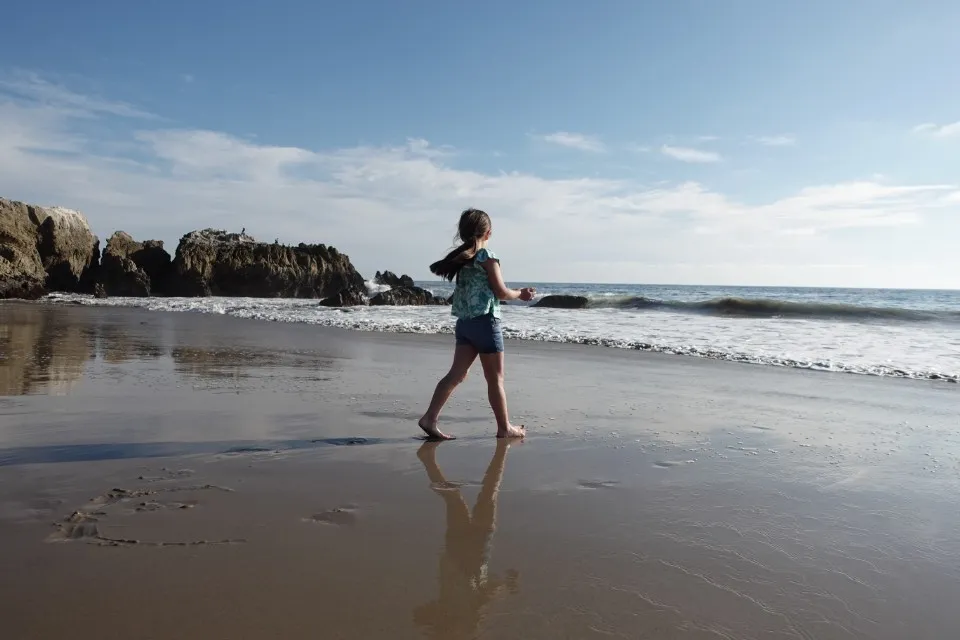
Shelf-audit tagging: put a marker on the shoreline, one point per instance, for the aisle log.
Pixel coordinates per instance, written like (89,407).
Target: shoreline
(712,354)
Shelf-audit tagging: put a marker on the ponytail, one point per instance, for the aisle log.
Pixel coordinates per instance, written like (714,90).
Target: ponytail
(474,225)
(449,267)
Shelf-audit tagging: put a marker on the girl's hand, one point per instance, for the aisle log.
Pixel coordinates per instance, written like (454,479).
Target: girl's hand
(527,293)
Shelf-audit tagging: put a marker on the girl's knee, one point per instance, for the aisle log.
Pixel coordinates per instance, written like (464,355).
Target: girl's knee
(493,377)
(455,378)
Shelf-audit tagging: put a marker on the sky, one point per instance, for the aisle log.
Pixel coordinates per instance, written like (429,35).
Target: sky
(801,142)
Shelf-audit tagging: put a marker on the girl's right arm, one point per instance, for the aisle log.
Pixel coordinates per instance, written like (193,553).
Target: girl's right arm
(500,289)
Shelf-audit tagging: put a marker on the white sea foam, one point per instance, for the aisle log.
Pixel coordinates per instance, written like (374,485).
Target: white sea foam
(929,351)
(373,288)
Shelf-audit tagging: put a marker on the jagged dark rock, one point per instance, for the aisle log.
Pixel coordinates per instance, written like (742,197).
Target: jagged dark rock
(157,263)
(390,279)
(131,268)
(563,302)
(406,296)
(212,262)
(347,297)
(20,286)
(99,291)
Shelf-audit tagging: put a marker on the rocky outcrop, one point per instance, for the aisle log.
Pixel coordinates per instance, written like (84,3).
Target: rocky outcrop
(390,279)
(131,268)
(68,249)
(16,285)
(21,271)
(45,249)
(347,297)
(212,262)
(406,296)
(563,302)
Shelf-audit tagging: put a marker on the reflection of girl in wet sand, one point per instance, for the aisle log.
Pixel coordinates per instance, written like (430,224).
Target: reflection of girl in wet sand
(465,587)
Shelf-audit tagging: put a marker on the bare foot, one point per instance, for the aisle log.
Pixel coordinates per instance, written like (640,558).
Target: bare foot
(512,432)
(433,433)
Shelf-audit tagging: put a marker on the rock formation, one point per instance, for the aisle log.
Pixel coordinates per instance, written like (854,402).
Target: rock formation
(212,262)
(45,249)
(390,279)
(347,297)
(53,249)
(131,268)
(406,296)
(69,251)
(563,302)
(21,271)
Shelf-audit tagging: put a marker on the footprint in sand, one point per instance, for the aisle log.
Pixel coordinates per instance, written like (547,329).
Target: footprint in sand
(79,525)
(159,506)
(86,523)
(339,516)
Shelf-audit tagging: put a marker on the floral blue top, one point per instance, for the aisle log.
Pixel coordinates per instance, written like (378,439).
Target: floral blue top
(473,296)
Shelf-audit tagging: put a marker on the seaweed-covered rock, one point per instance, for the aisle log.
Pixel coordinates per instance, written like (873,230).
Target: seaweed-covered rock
(347,297)
(406,296)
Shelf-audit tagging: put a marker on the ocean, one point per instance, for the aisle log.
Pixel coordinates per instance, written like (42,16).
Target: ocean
(881,332)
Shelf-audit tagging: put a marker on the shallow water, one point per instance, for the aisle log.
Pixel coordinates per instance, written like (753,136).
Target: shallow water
(899,333)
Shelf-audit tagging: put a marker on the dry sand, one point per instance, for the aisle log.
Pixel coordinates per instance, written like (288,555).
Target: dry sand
(185,476)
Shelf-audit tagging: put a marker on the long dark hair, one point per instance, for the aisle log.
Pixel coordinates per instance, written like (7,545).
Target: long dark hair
(474,225)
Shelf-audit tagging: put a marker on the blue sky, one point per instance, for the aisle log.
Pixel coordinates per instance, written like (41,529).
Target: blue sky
(729,142)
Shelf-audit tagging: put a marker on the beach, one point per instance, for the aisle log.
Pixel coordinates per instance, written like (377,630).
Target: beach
(187,475)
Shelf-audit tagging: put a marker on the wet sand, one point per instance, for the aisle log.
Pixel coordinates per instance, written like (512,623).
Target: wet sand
(187,476)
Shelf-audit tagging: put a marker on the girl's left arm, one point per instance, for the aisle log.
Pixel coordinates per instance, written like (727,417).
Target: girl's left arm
(499,287)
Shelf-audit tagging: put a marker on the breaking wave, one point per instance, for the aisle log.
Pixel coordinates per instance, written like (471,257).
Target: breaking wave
(771,308)
(879,349)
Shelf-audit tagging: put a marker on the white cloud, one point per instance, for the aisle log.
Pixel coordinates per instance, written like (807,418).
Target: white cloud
(32,87)
(187,77)
(209,153)
(688,154)
(938,130)
(575,141)
(395,206)
(784,140)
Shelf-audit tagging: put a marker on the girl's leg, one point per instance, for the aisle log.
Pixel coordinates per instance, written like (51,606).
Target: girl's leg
(493,372)
(463,358)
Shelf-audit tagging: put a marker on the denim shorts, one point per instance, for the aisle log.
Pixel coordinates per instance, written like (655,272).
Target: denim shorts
(483,333)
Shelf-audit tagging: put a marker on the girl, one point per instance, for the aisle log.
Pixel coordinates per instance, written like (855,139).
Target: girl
(476,304)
